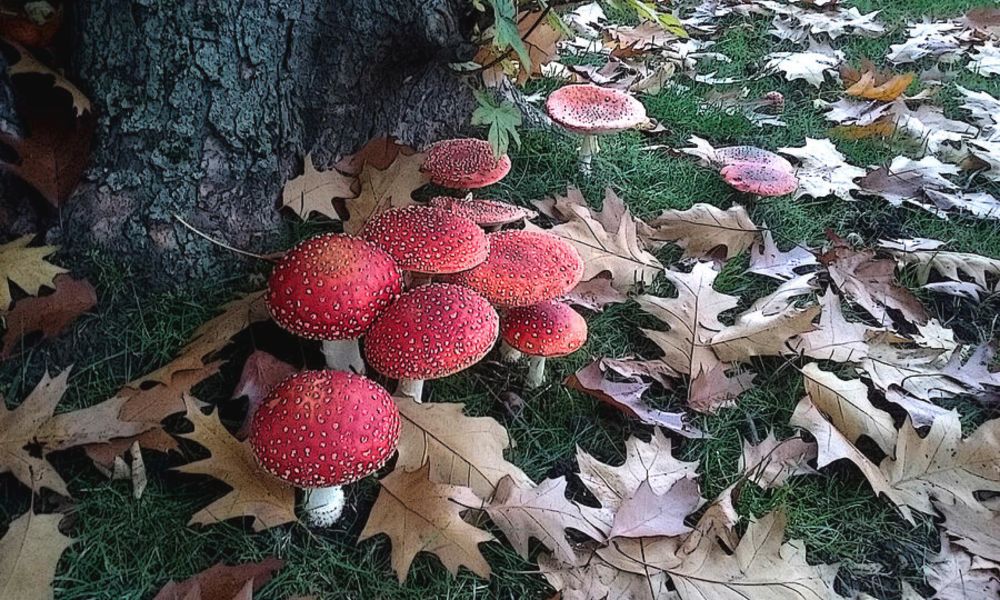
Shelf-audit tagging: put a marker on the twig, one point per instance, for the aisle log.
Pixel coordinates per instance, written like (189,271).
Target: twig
(223,244)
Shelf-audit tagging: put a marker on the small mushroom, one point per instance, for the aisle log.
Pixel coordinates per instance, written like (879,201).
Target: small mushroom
(488,214)
(592,110)
(547,329)
(731,155)
(331,288)
(432,331)
(464,164)
(760,179)
(427,241)
(321,430)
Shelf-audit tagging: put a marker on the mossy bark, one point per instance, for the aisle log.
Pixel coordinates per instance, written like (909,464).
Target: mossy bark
(207,107)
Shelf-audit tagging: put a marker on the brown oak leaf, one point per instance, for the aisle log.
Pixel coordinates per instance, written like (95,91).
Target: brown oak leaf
(50,314)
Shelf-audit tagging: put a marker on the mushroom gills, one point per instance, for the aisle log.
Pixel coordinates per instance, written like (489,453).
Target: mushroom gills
(323,506)
(536,372)
(414,388)
(344,355)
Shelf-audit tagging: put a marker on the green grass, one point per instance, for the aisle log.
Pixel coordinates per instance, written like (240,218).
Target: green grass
(129,549)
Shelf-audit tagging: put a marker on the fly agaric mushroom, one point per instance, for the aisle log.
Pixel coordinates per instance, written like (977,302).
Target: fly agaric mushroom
(464,164)
(320,430)
(332,287)
(760,179)
(543,330)
(432,331)
(732,155)
(488,214)
(428,241)
(524,268)
(592,110)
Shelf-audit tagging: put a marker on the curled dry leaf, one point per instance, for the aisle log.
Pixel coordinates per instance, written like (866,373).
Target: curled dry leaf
(975,529)
(771,463)
(596,293)
(29,554)
(222,582)
(27,64)
(877,86)
(261,372)
(419,515)
(48,315)
(957,575)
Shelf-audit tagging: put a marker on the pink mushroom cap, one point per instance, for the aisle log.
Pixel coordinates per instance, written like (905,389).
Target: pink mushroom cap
(429,240)
(751,154)
(546,329)
(590,109)
(486,213)
(464,164)
(331,287)
(432,331)
(325,428)
(760,179)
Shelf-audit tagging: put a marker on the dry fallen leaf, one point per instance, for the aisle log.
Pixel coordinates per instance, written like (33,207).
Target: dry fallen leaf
(27,64)
(541,512)
(254,493)
(759,333)
(703,228)
(956,575)
(314,191)
(877,86)
(823,170)
(590,577)
(261,372)
(975,529)
(222,582)
(771,463)
(648,514)
(596,293)
(835,339)
(29,553)
(460,450)
(25,267)
(848,400)
(50,314)
(382,189)
(20,427)
(767,260)
(419,515)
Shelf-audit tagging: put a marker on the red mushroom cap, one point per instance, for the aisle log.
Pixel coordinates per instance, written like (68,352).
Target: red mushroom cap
(751,154)
(432,331)
(332,287)
(325,428)
(487,213)
(427,239)
(464,164)
(760,179)
(547,329)
(590,109)
(524,268)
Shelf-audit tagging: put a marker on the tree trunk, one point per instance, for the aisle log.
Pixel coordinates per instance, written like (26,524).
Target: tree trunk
(207,107)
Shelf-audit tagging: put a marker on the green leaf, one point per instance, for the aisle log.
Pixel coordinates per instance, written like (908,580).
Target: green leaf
(648,12)
(503,119)
(507,35)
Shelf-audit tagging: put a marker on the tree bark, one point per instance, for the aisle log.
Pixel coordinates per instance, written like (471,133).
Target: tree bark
(206,108)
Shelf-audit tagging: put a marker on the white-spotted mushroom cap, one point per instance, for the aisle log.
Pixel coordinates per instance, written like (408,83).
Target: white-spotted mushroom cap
(591,109)
(759,179)
(430,240)
(731,155)
(524,268)
(432,331)
(464,164)
(487,213)
(325,428)
(547,329)
(332,287)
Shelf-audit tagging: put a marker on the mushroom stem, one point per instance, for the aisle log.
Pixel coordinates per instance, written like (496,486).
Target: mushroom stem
(322,506)
(414,388)
(536,372)
(509,354)
(588,148)
(344,355)
(419,279)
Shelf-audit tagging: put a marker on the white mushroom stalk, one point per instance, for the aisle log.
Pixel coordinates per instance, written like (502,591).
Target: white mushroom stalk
(588,148)
(344,355)
(509,354)
(413,388)
(322,507)
(536,372)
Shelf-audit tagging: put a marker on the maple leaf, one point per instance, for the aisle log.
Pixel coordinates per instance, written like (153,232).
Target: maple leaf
(823,170)
(702,228)
(835,339)
(267,500)
(848,400)
(956,575)
(693,319)
(811,66)
(26,267)
(870,282)
(382,189)
(596,293)
(419,515)
(768,260)
(29,553)
(20,427)
(608,240)
(314,191)
(975,529)
(942,466)
(49,315)
(626,396)
(222,582)
(541,512)
(648,514)
(758,333)
(460,450)
(771,463)
(650,462)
